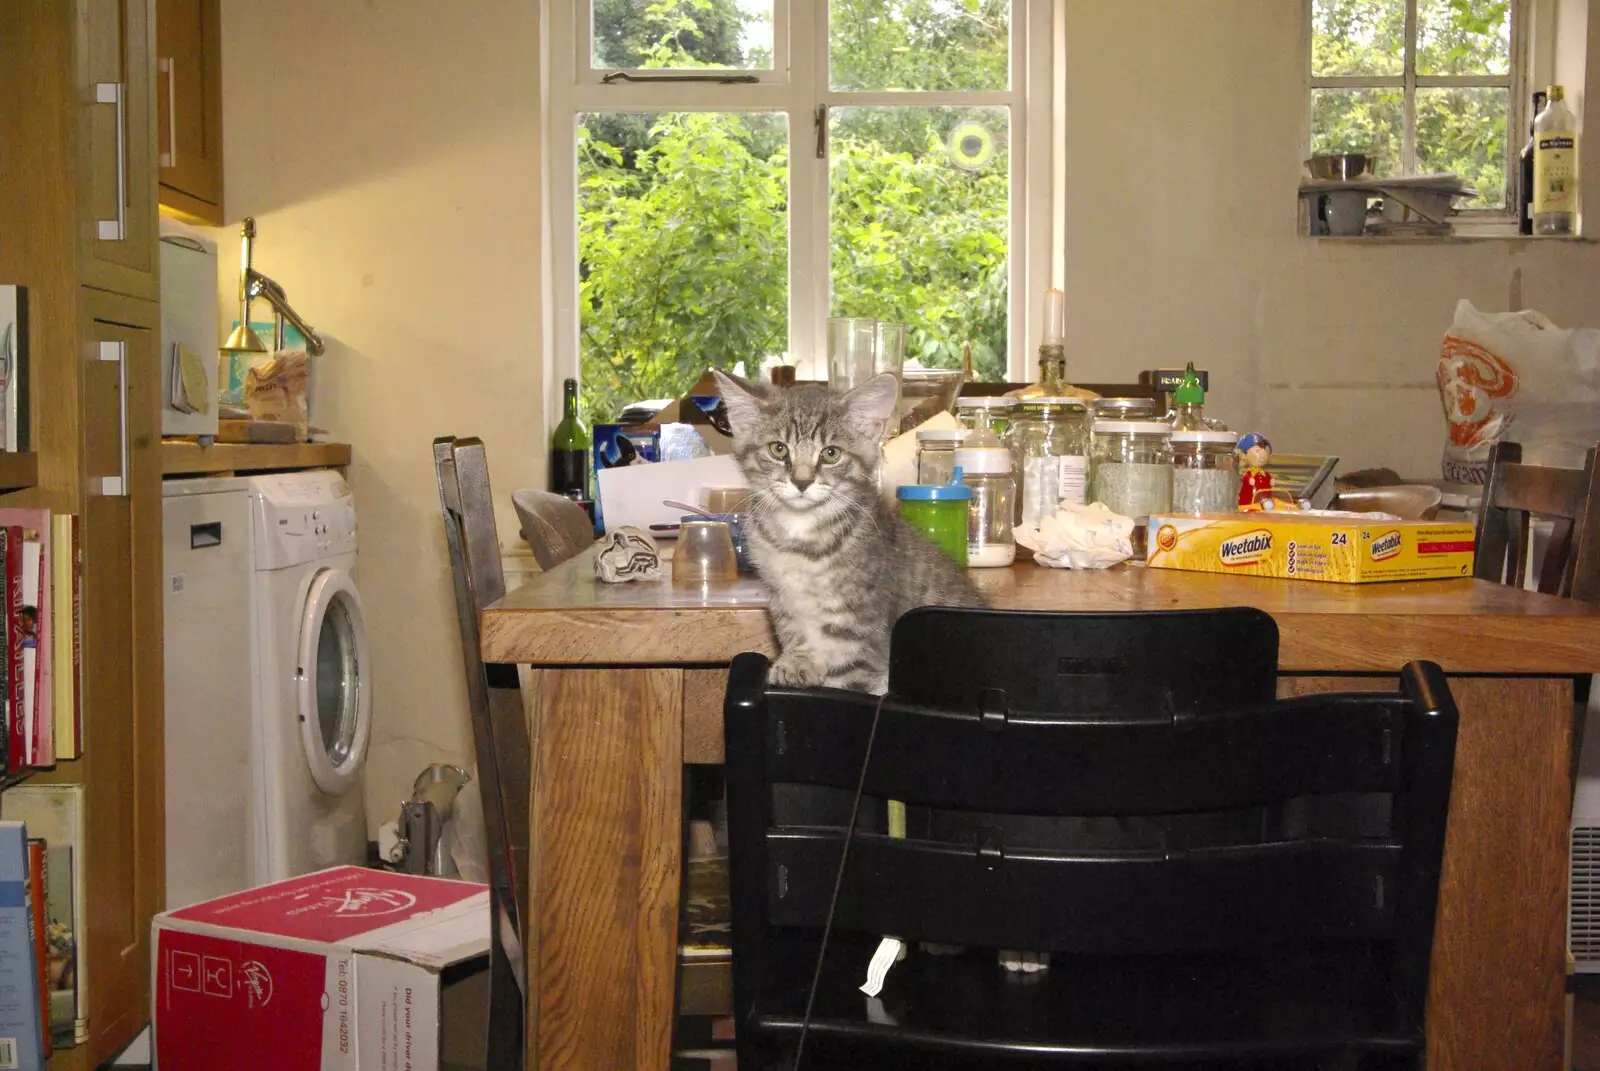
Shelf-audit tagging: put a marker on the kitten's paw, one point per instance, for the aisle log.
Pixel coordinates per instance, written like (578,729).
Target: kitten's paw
(933,949)
(1024,962)
(797,669)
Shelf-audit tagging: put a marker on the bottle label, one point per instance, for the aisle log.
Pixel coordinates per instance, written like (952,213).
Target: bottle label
(1074,480)
(1555,172)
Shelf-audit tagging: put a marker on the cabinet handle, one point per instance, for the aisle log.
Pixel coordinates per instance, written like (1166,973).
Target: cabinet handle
(117,486)
(114,230)
(170,157)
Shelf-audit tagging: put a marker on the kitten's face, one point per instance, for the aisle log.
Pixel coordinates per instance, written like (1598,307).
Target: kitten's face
(807,449)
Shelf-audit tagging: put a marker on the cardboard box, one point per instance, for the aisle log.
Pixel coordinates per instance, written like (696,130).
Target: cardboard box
(344,969)
(1309,547)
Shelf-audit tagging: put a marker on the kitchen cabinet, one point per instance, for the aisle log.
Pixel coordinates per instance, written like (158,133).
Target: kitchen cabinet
(189,107)
(95,415)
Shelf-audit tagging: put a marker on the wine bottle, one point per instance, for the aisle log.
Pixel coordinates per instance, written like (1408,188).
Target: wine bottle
(1555,162)
(569,448)
(1525,190)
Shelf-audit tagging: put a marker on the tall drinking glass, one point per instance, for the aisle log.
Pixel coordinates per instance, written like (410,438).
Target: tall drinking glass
(889,355)
(852,342)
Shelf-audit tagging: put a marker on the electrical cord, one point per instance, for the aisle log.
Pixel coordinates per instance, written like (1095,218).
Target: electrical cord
(838,881)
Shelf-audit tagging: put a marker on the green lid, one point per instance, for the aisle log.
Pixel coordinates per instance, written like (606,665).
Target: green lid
(1189,391)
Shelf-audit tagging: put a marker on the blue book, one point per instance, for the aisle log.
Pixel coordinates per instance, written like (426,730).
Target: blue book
(21,1033)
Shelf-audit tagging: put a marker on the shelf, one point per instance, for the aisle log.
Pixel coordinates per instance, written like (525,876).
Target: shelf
(222,459)
(18,471)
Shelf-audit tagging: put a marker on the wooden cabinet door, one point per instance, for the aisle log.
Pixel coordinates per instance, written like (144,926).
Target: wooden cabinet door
(117,202)
(122,693)
(189,106)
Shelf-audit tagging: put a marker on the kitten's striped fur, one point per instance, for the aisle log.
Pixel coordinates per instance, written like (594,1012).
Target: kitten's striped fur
(841,565)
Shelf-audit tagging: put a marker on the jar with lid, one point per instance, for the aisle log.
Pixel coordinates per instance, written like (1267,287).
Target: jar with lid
(985,465)
(1133,467)
(1124,408)
(994,413)
(1205,472)
(936,454)
(1050,441)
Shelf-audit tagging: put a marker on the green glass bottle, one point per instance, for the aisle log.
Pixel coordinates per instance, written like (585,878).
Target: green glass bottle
(569,449)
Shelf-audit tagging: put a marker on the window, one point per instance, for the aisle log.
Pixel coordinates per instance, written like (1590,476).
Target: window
(727,174)
(1429,85)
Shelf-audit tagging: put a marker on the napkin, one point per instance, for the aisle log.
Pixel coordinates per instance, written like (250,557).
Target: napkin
(1080,537)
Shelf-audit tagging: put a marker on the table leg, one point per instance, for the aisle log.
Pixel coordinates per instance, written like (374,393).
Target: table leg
(607,857)
(1496,995)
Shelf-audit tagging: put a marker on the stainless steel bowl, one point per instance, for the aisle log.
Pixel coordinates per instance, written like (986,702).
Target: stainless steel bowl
(1342,167)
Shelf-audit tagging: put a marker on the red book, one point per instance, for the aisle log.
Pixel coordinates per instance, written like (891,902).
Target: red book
(41,951)
(16,714)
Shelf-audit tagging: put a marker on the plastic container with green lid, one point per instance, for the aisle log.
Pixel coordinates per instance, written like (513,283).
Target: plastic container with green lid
(939,513)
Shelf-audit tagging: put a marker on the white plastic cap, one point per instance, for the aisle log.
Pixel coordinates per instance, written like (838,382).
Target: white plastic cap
(985,402)
(942,435)
(1228,437)
(1132,427)
(984,460)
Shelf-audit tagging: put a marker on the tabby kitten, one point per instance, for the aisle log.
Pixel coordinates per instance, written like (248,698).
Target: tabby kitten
(840,564)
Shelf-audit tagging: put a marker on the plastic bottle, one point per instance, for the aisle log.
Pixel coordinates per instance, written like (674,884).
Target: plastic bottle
(1555,167)
(985,465)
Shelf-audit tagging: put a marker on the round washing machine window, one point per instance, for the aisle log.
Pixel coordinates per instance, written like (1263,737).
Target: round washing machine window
(335,695)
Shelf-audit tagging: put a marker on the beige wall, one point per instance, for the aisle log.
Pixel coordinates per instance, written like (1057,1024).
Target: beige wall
(389,151)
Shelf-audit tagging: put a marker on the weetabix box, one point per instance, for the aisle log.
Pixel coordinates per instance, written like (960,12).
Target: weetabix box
(344,969)
(1355,550)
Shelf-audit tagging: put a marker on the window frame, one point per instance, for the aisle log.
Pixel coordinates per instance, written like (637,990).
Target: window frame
(1516,81)
(797,85)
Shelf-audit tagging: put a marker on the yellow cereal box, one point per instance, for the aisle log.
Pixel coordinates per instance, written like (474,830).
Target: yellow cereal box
(1356,550)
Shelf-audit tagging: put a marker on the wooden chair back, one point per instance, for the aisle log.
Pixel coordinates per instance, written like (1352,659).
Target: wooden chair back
(499,731)
(1513,494)
(555,527)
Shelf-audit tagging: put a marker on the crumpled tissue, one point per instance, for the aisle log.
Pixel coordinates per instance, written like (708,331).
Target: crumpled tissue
(1080,537)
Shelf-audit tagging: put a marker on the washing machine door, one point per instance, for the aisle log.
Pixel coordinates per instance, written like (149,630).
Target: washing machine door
(334,700)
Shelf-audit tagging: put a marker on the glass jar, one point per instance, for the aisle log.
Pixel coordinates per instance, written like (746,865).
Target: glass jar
(1205,472)
(985,465)
(940,515)
(1124,409)
(1133,467)
(1050,443)
(936,454)
(995,414)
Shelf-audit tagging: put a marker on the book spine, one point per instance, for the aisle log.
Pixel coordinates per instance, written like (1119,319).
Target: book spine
(21,1032)
(15,750)
(62,681)
(32,557)
(37,934)
(77,638)
(44,751)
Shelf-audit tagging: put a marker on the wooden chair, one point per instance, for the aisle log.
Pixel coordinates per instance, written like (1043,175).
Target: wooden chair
(500,737)
(1513,494)
(1305,939)
(554,526)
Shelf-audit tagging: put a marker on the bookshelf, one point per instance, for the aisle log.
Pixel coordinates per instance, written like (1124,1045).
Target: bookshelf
(18,472)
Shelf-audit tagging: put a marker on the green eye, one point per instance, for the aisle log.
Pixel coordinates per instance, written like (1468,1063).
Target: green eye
(830,454)
(780,451)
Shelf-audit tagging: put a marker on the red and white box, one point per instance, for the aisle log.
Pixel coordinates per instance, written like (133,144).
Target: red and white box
(347,969)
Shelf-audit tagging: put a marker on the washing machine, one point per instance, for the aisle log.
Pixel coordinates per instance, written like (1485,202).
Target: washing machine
(268,682)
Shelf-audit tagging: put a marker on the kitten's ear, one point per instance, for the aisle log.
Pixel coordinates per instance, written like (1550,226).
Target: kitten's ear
(869,407)
(742,400)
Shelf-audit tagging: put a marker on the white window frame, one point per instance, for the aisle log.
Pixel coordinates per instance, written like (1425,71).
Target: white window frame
(796,85)
(1516,80)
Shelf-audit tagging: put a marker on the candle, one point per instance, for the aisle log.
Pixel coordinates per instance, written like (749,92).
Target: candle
(1055,316)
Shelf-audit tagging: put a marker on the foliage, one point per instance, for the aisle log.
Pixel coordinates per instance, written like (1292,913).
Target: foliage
(1457,129)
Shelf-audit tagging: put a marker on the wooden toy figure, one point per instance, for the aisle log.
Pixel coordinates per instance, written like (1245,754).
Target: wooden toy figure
(1254,477)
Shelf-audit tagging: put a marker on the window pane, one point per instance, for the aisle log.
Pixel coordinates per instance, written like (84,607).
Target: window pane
(918,227)
(1463,36)
(683,250)
(1358,37)
(682,33)
(1359,120)
(1464,131)
(924,45)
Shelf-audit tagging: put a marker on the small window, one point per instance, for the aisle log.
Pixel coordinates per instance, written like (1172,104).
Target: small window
(1428,85)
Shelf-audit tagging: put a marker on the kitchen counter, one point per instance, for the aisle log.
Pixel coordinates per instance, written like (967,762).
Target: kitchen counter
(627,687)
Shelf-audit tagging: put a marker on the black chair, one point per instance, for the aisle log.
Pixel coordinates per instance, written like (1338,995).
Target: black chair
(1274,902)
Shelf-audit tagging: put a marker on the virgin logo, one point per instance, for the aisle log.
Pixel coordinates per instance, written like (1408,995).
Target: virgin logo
(371,902)
(257,983)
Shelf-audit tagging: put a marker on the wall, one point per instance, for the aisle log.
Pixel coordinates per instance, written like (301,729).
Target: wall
(388,149)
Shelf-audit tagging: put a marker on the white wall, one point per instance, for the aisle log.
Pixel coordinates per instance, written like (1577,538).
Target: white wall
(389,150)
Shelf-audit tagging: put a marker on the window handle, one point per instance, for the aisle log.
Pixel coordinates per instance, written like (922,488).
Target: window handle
(822,132)
(115,230)
(717,79)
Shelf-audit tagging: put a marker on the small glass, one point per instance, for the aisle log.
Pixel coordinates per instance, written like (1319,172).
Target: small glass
(704,553)
(852,348)
(889,348)
(936,454)
(1205,472)
(940,515)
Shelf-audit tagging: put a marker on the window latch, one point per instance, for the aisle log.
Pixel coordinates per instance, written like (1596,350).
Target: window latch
(822,132)
(727,79)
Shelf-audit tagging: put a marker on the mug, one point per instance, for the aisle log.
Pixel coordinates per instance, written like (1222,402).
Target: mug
(1345,212)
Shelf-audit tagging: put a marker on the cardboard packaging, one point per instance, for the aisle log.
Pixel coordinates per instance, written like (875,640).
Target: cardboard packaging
(344,969)
(1308,547)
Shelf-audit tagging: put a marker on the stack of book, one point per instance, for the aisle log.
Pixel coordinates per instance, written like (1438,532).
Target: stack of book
(50,818)
(40,639)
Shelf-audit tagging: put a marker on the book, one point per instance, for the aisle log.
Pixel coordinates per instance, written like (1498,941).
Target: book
(56,813)
(21,1029)
(36,933)
(14,369)
(16,737)
(65,606)
(35,626)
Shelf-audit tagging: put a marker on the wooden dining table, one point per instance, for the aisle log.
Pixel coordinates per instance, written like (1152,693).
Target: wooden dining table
(626,688)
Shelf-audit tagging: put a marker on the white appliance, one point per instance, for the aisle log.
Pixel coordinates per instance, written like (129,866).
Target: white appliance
(268,682)
(188,318)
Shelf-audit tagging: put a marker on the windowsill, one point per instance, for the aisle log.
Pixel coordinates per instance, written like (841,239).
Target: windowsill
(1470,237)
